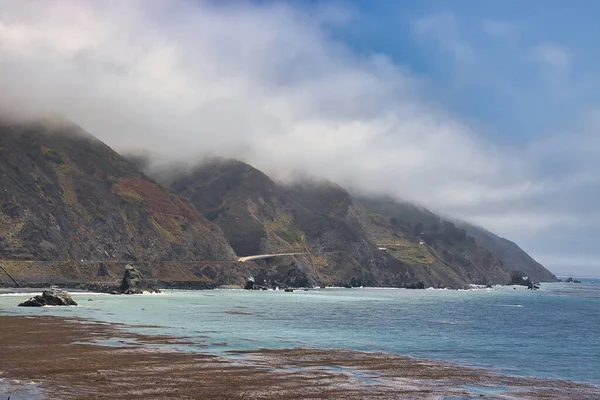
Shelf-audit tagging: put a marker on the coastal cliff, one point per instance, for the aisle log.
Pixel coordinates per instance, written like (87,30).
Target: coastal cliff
(75,212)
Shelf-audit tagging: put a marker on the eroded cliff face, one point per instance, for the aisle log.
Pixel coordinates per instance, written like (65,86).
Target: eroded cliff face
(346,241)
(67,196)
(259,216)
(73,210)
(477,255)
(512,256)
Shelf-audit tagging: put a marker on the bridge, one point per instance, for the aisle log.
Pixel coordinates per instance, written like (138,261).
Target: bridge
(261,256)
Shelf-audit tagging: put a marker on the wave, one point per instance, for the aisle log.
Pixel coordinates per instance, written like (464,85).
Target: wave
(510,305)
(19,294)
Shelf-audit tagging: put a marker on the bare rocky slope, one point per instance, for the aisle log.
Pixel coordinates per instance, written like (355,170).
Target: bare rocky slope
(464,247)
(259,216)
(73,211)
(513,257)
(375,242)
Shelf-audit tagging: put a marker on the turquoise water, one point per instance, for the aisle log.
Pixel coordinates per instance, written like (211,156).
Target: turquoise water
(553,332)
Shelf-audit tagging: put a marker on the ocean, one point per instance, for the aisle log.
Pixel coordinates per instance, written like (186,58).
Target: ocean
(553,332)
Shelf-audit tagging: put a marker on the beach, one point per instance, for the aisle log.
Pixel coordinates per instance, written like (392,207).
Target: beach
(71,358)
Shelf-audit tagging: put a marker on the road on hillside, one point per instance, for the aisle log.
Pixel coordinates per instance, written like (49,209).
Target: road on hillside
(259,256)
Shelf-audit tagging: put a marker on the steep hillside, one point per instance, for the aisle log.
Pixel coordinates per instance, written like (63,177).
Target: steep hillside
(73,210)
(464,247)
(67,196)
(259,216)
(513,257)
(443,251)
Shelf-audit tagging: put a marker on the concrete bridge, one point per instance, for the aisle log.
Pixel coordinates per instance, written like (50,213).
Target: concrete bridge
(261,256)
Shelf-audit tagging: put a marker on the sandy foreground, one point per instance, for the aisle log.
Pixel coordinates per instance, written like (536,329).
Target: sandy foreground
(58,356)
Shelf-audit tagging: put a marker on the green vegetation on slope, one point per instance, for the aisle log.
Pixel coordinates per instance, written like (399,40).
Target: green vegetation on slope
(67,196)
(73,209)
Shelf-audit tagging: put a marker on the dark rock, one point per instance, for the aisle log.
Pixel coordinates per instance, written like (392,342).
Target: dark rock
(289,290)
(133,291)
(355,282)
(37,301)
(417,285)
(519,278)
(131,279)
(576,281)
(569,280)
(51,297)
(132,282)
(249,284)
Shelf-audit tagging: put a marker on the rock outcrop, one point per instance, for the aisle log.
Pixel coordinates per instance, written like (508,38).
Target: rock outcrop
(377,242)
(71,203)
(132,282)
(65,195)
(249,284)
(50,297)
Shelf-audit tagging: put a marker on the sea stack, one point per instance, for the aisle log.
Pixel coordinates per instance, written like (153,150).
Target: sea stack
(51,297)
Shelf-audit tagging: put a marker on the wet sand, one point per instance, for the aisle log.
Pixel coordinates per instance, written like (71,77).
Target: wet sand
(58,355)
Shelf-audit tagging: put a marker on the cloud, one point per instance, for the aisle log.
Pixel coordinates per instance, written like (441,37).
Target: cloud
(268,83)
(552,56)
(500,29)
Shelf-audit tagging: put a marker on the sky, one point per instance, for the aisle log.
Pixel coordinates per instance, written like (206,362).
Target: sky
(483,111)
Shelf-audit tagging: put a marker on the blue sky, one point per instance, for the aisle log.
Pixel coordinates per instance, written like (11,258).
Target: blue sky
(484,111)
(480,56)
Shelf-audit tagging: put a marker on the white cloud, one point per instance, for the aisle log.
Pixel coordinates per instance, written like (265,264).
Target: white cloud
(268,84)
(265,83)
(553,56)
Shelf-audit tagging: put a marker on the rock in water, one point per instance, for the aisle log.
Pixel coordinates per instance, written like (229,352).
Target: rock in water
(51,297)
(132,282)
(249,283)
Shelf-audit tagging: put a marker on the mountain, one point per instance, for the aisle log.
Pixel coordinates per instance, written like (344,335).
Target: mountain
(75,211)
(65,196)
(513,257)
(259,216)
(444,250)
(371,241)
(459,243)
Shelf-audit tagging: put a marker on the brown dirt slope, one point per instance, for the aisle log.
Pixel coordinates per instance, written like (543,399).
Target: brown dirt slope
(259,216)
(64,195)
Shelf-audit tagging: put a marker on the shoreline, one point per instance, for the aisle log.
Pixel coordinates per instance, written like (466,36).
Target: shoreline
(65,359)
(105,288)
